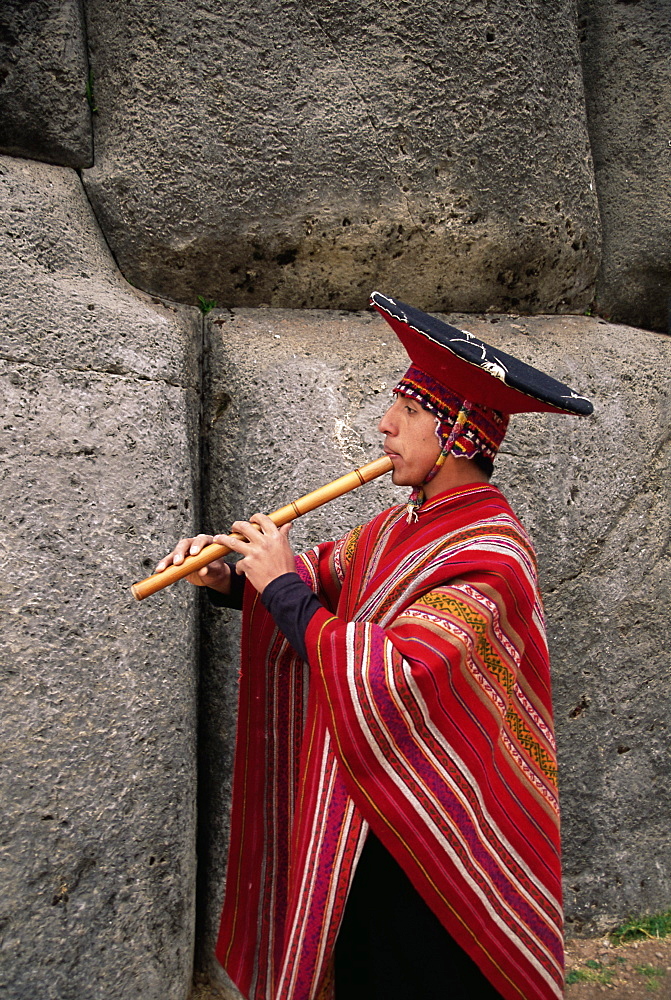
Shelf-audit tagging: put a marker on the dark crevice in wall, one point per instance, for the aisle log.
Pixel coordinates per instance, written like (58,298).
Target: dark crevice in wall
(112,372)
(583,17)
(202,661)
(89,77)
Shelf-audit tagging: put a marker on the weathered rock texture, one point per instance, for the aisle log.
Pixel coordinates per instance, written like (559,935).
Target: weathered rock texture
(627,69)
(293,401)
(44,113)
(97,860)
(298,155)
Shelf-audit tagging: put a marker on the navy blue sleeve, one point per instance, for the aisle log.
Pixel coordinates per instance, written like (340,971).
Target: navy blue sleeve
(292,604)
(232,600)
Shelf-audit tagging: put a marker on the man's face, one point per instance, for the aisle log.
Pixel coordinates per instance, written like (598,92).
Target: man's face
(410,441)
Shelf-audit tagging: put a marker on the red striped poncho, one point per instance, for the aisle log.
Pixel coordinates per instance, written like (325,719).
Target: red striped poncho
(424,713)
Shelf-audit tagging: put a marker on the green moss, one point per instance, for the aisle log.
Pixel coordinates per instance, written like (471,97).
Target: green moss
(652,974)
(656,926)
(593,973)
(89,94)
(206,305)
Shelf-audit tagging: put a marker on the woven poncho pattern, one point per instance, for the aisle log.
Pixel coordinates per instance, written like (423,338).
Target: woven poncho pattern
(424,713)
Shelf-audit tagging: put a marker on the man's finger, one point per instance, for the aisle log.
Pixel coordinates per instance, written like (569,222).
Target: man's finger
(198,543)
(234,543)
(176,556)
(181,550)
(266,524)
(246,528)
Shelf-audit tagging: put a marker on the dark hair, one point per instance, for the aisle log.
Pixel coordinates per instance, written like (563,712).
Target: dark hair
(483,463)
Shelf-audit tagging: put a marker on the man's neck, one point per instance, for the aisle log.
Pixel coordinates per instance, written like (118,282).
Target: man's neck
(454,472)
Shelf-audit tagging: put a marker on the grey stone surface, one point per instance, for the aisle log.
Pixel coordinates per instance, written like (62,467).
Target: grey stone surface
(97,392)
(297,155)
(627,69)
(293,400)
(89,317)
(44,112)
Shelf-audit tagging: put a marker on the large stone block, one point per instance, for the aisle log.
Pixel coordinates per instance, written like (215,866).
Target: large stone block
(44,112)
(297,155)
(97,842)
(293,401)
(627,69)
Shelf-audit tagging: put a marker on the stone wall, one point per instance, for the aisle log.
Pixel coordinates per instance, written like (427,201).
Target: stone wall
(97,391)
(627,70)
(462,156)
(299,155)
(44,74)
(300,158)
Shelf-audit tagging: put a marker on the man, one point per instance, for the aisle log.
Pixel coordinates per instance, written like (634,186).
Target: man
(395,827)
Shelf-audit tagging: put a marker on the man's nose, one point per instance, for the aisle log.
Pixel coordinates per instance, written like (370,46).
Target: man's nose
(386,425)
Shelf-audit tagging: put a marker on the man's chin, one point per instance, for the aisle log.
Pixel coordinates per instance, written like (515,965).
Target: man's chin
(398,478)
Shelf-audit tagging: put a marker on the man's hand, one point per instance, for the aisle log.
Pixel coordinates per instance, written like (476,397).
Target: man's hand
(266,553)
(216,575)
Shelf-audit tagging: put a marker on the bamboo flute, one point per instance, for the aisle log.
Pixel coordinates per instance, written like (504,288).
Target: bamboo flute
(344,484)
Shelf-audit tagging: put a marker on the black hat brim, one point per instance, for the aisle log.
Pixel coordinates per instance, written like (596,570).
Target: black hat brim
(474,370)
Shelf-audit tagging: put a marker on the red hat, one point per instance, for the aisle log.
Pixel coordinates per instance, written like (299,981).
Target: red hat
(474,371)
